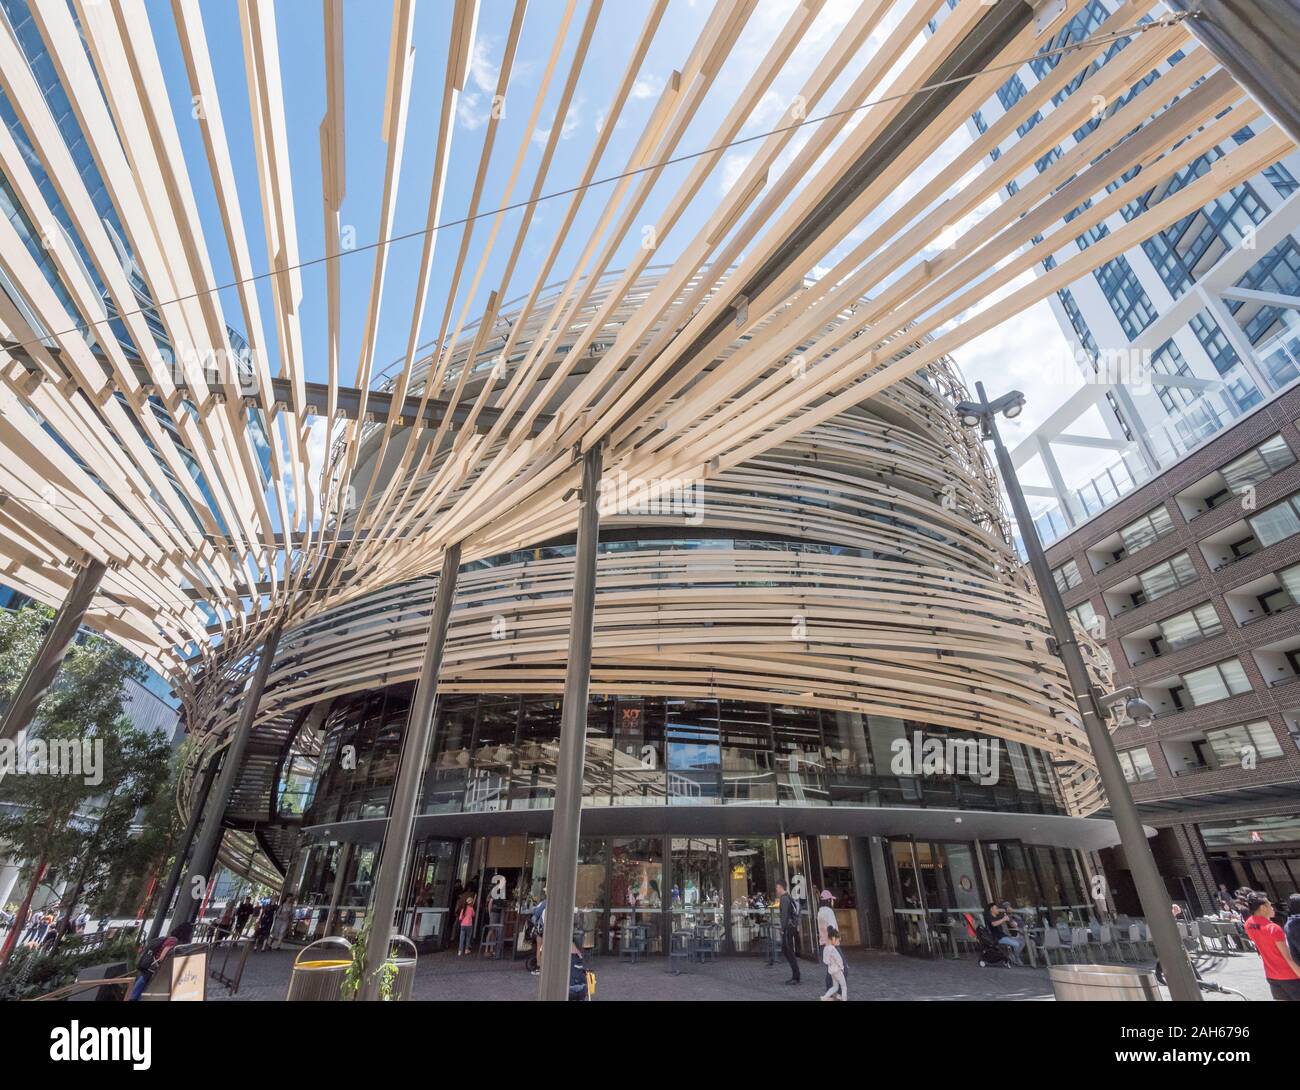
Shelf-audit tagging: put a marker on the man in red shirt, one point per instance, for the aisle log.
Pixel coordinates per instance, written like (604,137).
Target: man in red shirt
(1270,940)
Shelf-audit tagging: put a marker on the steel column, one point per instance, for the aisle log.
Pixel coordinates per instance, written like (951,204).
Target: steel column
(203,861)
(562,868)
(1258,42)
(183,848)
(410,775)
(1150,888)
(44,668)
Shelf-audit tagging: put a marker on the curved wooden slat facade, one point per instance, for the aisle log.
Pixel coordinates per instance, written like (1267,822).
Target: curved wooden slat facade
(852,254)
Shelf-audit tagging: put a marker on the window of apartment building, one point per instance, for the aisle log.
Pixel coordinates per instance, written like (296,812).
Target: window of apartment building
(1277,271)
(1237,384)
(1088,619)
(1067,576)
(1092,15)
(1258,464)
(1165,578)
(1211,683)
(1275,523)
(1278,175)
(1136,764)
(1184,629)
(1147,530)
(1231,745)
(1169,360)
(1184,252)
(1290,580)
(1127,298)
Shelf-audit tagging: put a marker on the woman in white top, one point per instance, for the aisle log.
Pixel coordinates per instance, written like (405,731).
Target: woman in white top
(826,922)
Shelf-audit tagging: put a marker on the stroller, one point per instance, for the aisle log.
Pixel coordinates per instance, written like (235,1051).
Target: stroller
(991,952)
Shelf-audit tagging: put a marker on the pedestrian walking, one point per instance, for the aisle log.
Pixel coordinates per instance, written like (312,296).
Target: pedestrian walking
(1280,969)
(834,962)
(242,913)
(466,920)
(789,923)
(262,930)
(1292,926)
(226,923)
(538,919)
(153,957)
(826,923)
(283,922)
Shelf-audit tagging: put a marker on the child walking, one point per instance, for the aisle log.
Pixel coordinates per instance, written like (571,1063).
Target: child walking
(466,920)
(834,963)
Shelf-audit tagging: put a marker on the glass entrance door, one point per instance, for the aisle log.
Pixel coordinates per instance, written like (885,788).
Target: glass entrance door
(428,898)
(696,875)
(836,875)
(636,867)
(802,867)
(754,867)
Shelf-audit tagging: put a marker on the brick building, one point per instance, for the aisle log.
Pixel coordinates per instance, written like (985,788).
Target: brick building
(1192,581)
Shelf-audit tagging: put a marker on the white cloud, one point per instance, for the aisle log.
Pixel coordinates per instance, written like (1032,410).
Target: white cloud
(647,86)
(571,121)
(731,168)
(483,72)
(472,110)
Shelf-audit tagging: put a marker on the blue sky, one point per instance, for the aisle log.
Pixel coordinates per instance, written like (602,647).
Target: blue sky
(1003,357)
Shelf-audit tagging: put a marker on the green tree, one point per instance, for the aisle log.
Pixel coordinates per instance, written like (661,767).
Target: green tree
(145,855)
(75,823)
(136,767)
(21,633)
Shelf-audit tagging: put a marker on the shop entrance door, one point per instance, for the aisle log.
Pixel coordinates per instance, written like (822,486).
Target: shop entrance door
(696,877)
(754,866)
(803,868)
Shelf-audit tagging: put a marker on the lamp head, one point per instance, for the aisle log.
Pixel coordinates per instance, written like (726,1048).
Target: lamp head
(1138,710)
(970,413)
(1010,404)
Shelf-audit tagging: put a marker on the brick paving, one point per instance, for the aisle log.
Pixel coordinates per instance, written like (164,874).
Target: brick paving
(872,976)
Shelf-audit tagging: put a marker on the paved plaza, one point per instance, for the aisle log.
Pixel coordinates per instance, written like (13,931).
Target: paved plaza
(872,976)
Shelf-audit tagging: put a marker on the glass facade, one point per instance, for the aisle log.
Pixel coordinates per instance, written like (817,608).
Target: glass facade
(639,894)
(498,753)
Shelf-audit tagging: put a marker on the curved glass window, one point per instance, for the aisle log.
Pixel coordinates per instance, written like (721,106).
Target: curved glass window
(498,752)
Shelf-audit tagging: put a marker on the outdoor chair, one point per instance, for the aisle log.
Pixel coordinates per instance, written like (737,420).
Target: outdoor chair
(1052,948)
(708,942)
(681,951)
(1082,944)
(632,942)
(1108,942)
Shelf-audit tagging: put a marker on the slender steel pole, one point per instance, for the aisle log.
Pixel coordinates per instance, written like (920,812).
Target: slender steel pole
(183,847)
(562,867)
(410,775)
(44,668)
(203,860)
(1150,888)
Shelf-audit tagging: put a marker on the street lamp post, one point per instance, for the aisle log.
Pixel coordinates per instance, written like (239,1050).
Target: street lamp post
(1150,888)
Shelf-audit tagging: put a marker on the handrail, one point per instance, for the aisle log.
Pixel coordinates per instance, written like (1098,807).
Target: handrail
(80,986)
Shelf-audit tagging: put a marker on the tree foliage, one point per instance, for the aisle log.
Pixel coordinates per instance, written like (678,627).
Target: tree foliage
(75,824)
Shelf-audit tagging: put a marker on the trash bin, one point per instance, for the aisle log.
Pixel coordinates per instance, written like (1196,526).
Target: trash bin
(318,980)
(1104,983)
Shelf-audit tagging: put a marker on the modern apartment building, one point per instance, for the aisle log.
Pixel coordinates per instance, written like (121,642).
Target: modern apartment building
(1192,581)
(1176,339)
(1168,480)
